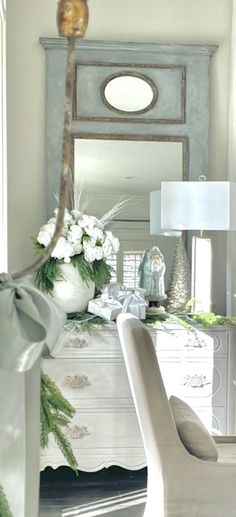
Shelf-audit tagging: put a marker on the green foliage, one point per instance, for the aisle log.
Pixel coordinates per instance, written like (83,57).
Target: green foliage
(47,274)
(189,320)
(84,267)
(56,412)
(207,319)
(38,248)
(102,273)
(4,506)
(83,321)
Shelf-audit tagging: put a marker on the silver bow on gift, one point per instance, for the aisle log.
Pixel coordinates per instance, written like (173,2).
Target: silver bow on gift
(30,324)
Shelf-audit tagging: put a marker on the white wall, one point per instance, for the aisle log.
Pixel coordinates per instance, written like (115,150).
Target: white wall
(182,21)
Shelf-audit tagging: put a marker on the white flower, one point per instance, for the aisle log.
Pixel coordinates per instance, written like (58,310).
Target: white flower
(88,221)
(67,216)
(63,250)
(77,248)
(89,243)
(107,248)
(76,214)
(81,233)
(98,252)
(45,234)
(74,234)
(95,232)
(90,254)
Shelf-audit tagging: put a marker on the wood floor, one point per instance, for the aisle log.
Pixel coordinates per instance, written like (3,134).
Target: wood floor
(114,492)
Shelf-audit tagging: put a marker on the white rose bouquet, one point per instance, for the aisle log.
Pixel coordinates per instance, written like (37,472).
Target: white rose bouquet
(84,242)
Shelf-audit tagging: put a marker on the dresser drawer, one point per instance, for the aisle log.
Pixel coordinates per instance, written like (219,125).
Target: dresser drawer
(200,382)
(88,380)
(103,430)
(192,342)
(100,342)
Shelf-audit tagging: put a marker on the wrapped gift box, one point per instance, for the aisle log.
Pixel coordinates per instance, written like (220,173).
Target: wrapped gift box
(107,309)
(135,304)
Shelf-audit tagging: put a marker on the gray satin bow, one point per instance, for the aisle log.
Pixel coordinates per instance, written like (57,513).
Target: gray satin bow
(28,321)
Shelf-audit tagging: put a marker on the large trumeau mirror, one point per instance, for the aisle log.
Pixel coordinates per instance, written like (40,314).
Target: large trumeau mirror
(128,144)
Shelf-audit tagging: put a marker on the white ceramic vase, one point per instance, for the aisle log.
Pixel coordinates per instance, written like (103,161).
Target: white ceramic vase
(72,294)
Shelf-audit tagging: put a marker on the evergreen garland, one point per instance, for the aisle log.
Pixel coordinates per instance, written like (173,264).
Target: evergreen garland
(56,413)
(4,506)
(83,321)
(189,320)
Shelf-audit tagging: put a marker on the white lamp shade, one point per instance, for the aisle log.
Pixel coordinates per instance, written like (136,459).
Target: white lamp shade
(155,217)
(198,205)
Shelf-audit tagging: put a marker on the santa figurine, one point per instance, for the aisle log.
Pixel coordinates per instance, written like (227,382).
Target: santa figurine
(151,274)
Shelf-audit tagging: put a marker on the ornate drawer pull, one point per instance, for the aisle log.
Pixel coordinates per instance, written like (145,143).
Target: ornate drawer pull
(195,340)
(196,381)
(77,432)
(77,342)
(76,382)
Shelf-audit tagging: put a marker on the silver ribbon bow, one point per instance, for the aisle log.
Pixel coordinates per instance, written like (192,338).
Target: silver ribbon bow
(29,323)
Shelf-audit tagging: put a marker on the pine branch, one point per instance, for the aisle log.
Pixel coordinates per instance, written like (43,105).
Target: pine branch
(102,273)
(56,413)
(83,321)
(85,269)
(47,274)
(53,391)
(4,506)
(65,447)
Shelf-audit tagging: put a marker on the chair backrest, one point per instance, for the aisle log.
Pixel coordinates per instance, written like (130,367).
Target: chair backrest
(148,391)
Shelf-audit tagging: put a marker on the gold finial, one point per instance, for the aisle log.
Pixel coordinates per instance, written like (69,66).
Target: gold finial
(72,18)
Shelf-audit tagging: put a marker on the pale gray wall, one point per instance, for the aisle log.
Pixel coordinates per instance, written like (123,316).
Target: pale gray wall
(185,21)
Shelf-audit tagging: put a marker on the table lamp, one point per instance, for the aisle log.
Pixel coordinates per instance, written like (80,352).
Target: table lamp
(199,205)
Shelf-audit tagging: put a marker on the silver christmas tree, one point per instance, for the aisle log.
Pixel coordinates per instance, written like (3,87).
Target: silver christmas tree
(180,278)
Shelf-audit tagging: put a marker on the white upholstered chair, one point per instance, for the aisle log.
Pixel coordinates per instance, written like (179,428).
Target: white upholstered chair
(179,483)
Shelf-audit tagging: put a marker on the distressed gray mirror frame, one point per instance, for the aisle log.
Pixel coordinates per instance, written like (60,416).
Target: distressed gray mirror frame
(181,113)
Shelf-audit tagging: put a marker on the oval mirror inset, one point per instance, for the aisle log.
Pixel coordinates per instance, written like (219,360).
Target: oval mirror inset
(129,93)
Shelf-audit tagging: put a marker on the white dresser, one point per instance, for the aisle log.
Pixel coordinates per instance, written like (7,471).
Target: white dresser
(198,366)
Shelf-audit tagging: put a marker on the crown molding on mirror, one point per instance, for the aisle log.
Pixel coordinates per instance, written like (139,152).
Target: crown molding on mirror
(178,48)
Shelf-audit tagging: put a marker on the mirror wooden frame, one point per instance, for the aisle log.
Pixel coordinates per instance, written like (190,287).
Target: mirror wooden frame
(181,75)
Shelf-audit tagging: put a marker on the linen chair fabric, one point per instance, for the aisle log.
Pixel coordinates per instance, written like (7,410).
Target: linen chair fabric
(193,434)
(179,484)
